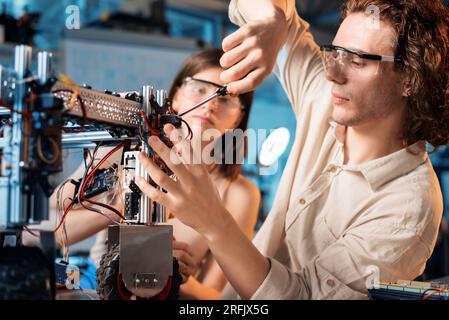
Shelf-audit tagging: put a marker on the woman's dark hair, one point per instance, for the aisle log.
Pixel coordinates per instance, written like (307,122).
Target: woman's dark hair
(422,42)
(206,60)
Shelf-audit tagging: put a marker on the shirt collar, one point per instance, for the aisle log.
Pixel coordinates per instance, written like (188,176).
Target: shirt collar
(383,170)
(338,131)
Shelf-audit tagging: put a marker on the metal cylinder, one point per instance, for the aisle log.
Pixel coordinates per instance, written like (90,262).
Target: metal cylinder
(160,215)
(161,97)
(3,84)
(145,208)
(22,60)
(44,67)
(147,94)
(19,203)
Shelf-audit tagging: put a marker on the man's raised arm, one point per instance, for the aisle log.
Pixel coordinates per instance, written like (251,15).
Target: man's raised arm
(272,36)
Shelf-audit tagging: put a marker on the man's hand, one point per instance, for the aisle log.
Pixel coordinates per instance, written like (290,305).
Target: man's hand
(194,200)
(251,51)
(193,197)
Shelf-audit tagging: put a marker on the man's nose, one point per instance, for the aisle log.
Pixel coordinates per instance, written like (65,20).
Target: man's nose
(335,73)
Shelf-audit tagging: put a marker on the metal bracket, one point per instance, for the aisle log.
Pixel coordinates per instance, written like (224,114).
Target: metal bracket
(146,258)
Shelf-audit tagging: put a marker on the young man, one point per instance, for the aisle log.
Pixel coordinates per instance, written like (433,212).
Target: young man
(359,200)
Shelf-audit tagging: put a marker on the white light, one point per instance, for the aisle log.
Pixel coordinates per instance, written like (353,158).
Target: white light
(274,146)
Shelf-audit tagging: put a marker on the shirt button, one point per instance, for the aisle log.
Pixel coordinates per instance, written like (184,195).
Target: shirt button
(330,283)
(334,169)
(302,201)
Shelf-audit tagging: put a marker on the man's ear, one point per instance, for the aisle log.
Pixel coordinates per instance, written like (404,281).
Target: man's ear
(406,88)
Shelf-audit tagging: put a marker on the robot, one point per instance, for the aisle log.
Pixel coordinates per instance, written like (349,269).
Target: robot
(40,115)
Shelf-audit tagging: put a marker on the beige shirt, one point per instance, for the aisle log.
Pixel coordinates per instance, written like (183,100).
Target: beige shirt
(335,228)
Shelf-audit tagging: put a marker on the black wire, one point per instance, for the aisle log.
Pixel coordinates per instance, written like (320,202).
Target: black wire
(425,292)
(144,140)
(84,177)
(86,153)
(190,134)
(82,182)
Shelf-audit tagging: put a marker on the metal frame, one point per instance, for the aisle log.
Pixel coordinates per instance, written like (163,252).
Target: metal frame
(137,269)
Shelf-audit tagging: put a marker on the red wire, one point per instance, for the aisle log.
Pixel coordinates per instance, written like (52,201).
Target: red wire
(81,191)
(30,232)
(66,211)
(8,106)
(105,206)
(153,132)
(432,293)
(90,176)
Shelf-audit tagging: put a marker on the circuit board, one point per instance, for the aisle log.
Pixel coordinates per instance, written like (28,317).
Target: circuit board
(409,290)
(99,106)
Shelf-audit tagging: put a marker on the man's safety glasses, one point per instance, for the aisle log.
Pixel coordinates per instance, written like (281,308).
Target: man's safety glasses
(353,63)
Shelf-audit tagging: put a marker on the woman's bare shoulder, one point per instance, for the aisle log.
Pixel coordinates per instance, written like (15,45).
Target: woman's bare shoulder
(244,186)
(243,194)
(242,201)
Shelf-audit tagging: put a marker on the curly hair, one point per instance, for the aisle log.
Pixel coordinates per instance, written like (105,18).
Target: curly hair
(422,43)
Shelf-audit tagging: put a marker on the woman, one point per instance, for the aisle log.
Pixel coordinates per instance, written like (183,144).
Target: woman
(198,78)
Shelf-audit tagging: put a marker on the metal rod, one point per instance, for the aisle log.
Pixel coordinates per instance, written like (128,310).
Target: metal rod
(147,94)
(199,104)
(161,97)
(22,60)
(44,67)
(220,92)
(146,205)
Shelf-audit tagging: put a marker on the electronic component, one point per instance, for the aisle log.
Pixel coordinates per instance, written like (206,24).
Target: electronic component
(45,134)
(35,107)
(60,273)
(132,192)
(409,290)
(103,180)
(99,106)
